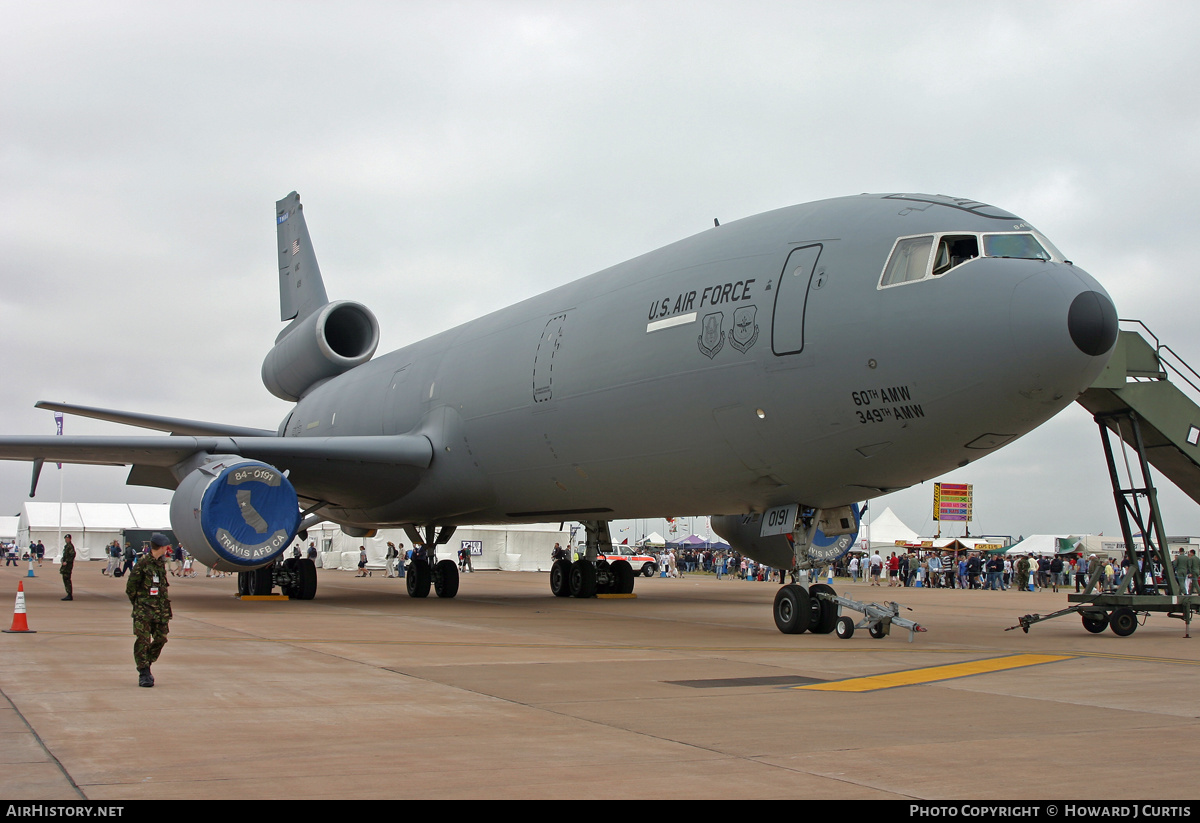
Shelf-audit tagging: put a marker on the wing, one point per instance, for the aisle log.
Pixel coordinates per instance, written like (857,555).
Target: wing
(321,468)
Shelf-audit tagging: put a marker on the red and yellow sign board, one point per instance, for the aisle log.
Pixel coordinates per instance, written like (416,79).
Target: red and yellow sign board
(952,501)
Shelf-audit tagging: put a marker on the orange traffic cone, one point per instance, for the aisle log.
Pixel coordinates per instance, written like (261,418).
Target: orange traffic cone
(20,623)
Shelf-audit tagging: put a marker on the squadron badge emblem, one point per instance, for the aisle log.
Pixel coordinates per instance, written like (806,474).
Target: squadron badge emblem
(712,338)
(744,333)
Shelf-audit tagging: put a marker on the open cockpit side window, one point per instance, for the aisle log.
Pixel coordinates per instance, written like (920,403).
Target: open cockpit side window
(954,250)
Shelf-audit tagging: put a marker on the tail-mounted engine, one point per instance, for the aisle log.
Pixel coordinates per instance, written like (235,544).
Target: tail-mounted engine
(791,534)
(235,514)
(333,339)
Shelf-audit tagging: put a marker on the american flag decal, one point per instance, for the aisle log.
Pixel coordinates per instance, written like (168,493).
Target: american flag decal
(295,246)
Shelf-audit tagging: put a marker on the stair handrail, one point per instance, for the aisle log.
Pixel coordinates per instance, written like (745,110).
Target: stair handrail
(1160,348)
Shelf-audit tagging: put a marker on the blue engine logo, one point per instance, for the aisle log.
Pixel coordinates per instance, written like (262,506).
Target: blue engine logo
(249,513)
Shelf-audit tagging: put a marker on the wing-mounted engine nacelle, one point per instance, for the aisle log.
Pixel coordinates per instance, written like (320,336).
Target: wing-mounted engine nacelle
(813,537)
(333,339)
(235,514)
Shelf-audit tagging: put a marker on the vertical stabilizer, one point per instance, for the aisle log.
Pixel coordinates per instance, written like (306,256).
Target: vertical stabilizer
(301,290)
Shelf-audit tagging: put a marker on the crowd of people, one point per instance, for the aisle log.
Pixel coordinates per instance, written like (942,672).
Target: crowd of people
(974,570)
(934,569)
(963,570)
(931,569)
(120,560)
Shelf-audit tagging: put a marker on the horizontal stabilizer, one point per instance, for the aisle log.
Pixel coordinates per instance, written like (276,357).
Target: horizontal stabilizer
(174,425)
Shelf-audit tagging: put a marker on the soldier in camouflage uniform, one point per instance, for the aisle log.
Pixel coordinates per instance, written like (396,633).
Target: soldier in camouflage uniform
(66,566)
(147,590)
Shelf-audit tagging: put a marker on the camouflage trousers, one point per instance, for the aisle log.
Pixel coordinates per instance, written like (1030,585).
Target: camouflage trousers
(65,571)
(150,635)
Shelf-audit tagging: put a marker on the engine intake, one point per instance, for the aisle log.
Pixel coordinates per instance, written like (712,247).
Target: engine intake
(334,339)
(235,514)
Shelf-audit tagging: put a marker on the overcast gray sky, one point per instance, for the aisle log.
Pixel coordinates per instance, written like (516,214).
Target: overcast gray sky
(457,157)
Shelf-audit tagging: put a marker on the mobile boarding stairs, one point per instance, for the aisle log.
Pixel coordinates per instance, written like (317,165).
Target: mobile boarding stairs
(1159,425)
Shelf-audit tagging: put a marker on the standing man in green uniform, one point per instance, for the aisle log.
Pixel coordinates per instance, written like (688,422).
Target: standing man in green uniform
(66,566)
(147,591)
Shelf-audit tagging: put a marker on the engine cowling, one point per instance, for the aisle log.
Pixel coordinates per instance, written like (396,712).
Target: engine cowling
(235,514)
(334,339)
(744,533)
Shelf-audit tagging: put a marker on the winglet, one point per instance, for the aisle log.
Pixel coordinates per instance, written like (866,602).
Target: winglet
(301,290)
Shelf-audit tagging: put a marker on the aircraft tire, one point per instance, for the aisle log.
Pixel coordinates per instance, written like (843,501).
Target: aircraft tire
(307,569)
(824,614)
(877,631)
(243,583)
(792,609)
(623,572)
(845,628)
(583,579)
(560,578)
(417,578)
(1123,621)
(445,578)
(260,582)
(1094,624)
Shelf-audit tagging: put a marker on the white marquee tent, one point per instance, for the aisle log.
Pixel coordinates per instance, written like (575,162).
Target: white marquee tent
(884,530)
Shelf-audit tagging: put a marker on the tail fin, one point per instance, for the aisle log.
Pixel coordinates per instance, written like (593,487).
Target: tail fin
(301,290)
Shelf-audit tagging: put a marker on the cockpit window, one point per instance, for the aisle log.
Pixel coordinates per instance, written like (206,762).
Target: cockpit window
(953,250)
(929,256)
(1023,246)
(909,260)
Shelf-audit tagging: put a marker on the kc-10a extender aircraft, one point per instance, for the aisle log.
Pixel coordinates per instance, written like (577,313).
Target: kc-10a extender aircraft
(772,372)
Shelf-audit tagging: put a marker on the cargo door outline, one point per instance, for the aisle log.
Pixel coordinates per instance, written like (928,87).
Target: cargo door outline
(791,300)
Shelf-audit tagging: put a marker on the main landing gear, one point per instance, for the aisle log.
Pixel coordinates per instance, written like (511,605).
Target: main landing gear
(296,577)
(427,571)
(592,575)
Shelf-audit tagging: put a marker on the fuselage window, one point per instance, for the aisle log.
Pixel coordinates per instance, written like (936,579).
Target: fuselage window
(909,260)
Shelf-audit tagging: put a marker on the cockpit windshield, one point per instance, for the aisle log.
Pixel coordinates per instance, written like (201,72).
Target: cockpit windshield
(1023,246)
(928,256)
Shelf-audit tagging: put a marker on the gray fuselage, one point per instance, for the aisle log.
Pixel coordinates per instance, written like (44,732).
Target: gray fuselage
(755,364)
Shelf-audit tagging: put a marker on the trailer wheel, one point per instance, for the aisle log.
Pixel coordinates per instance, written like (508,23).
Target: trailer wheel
(845,628)
(877,631)
(1095,622)
(1123,621)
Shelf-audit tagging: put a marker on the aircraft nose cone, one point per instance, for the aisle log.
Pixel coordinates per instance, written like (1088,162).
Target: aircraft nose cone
(1092,322)
(1063,327)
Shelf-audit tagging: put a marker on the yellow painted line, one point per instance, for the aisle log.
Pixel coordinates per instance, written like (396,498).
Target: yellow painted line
(263,597)
(616,597)
(934,673)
